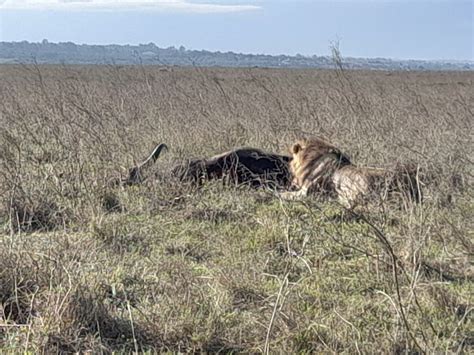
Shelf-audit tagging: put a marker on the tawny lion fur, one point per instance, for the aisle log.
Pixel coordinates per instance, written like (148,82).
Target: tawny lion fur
(318,166)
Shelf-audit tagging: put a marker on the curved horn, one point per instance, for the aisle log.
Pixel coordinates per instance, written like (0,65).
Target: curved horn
(135,174)
(154,155)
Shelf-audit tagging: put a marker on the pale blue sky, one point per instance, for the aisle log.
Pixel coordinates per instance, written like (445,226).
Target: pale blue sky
(401,29)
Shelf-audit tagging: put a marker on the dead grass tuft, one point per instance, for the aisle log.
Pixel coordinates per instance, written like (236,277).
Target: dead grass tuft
(39,213)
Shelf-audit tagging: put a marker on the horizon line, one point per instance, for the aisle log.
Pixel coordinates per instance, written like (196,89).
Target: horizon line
(469,61)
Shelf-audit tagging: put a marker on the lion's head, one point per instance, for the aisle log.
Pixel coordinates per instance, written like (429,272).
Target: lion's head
(314,161)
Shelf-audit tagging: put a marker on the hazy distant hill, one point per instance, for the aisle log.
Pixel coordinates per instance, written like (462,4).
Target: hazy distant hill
(70,53)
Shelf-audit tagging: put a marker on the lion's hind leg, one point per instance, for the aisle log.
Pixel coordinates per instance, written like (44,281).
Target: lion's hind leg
(351,185)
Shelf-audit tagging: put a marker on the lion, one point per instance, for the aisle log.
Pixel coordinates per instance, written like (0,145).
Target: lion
(318,166)
(249,166)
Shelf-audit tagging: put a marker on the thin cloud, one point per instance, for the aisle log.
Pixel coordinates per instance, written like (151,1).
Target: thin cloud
(126,5)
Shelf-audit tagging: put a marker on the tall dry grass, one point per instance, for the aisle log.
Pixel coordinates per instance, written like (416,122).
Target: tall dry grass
(85,267)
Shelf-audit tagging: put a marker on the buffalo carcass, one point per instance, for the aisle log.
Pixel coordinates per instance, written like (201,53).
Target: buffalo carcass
(249,166)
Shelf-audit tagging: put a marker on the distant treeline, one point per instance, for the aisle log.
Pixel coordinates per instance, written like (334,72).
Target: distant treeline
(71,53)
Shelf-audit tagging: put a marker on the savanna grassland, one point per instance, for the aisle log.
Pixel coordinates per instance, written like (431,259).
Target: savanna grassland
(86,266)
